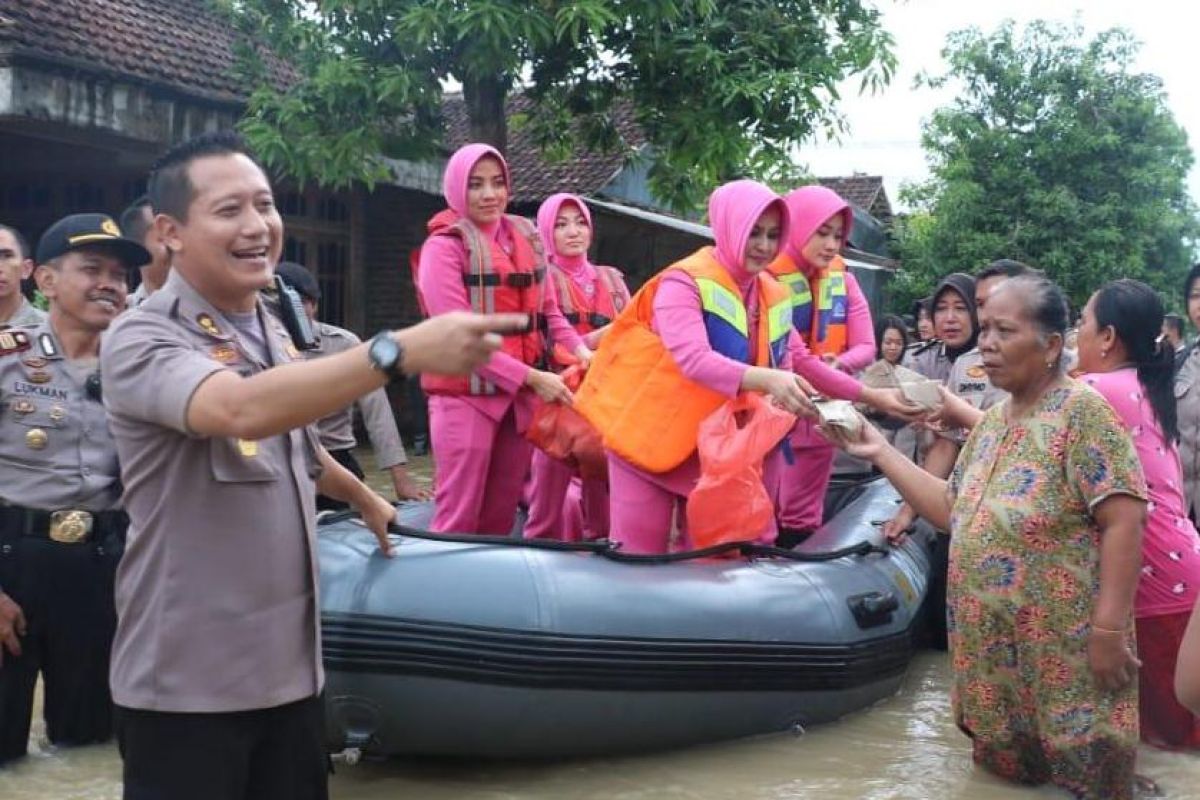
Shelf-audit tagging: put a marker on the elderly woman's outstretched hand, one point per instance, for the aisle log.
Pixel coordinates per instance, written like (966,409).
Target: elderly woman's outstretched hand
(954,413)
(893,403)
(867,444)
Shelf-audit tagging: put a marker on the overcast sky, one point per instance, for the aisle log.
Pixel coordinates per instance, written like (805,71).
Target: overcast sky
(885,129)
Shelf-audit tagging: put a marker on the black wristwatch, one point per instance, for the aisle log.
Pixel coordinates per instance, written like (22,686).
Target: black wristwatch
(386,355)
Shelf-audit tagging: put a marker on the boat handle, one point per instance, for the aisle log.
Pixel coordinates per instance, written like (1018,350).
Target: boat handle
(873,608)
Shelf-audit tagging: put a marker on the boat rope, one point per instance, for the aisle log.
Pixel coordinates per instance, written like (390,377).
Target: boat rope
(612,550)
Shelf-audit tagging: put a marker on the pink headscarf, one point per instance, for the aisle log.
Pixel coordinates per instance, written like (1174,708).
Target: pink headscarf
(458,174)
(546,217)
(810,207)
(732,211)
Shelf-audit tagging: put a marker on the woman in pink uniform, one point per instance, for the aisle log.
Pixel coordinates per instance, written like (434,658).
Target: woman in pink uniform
(590,297)
(1123,360)
(749,222)
(834,321)
(479,258)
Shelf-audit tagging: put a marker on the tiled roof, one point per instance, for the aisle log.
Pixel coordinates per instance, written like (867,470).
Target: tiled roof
(864,191)
(182,44)
(534,177)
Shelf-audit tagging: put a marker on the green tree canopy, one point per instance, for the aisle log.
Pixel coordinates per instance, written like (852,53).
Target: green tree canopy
(718,88)
(1056,153)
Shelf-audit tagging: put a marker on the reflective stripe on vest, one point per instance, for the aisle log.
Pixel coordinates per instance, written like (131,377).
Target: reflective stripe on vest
(728,326)
(832,306)
(779,327)
(636,394)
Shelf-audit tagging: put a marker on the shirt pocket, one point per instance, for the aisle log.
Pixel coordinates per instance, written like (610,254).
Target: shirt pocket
(240,461)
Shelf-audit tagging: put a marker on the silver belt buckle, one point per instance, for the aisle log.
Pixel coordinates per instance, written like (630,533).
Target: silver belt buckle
(71,526)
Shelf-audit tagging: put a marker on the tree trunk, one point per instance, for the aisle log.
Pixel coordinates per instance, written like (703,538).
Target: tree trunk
(485,110)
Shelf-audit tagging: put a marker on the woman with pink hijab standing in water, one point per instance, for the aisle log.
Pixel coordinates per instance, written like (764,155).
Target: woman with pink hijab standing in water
(590,297)
(479,258)
(834,320)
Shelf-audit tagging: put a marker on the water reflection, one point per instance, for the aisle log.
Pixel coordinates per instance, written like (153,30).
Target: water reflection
(904,749)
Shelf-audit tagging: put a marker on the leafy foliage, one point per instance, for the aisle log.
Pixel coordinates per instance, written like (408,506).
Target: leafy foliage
(1055,153)
(719,89)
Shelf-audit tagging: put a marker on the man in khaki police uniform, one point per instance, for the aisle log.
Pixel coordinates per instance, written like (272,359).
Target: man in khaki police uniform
(216,668)
(61,534)
(337,430)
(15,266)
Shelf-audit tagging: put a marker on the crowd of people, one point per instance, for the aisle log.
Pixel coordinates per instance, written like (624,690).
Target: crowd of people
(164,462)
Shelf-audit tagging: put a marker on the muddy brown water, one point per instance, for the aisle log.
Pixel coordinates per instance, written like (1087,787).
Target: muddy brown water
(905,748)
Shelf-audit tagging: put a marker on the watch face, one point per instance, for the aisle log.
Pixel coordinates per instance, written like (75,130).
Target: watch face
(384,352)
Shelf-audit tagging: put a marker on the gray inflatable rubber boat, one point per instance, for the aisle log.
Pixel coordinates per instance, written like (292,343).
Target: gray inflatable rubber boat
(494,648)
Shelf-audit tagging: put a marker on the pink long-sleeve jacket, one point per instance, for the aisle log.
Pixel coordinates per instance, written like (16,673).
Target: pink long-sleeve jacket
(445,260)
(810,207)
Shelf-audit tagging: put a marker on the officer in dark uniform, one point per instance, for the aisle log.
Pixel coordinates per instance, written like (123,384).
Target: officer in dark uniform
(61,533)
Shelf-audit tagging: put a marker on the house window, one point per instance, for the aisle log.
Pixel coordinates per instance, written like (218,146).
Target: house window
(295,250)
(317,235)
(81,197)
(132,190)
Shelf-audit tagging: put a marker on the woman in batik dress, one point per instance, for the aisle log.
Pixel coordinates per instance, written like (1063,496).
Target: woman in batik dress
(1045,507)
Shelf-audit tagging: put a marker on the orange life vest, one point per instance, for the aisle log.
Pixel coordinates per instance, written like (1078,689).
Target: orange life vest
(497,282)
(822,324)
(646,410)
(587,313)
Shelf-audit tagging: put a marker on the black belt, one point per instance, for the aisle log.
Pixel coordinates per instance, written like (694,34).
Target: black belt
(537,323)
(513,280)
(65,525)
(593,319)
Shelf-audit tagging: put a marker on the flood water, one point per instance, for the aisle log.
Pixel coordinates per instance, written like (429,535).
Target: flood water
(905,748)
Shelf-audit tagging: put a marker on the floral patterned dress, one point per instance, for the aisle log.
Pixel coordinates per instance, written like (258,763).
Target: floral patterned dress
(1024,576)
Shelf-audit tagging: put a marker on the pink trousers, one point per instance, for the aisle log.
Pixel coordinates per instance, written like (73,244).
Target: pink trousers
(555,512)
(643,506)
(481,464)
(799,489)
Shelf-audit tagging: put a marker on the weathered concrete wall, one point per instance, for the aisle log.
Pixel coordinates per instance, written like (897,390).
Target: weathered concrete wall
(90,103)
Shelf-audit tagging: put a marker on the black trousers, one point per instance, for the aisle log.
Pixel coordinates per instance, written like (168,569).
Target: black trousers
(935,634)
(346,459)
(266,754)
(66,592)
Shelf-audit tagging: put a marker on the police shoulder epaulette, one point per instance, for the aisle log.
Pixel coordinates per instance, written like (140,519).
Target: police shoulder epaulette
(926,346)
(14,341)
(334,332)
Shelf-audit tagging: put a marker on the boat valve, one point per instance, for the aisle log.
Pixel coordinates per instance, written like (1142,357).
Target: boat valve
(348,756)
(358,720)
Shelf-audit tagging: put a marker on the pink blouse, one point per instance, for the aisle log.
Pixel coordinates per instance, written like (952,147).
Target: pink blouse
(860,329)
(1170,546)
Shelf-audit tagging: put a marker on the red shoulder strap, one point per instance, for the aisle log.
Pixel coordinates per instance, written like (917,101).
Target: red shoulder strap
(614,282)
(563,291)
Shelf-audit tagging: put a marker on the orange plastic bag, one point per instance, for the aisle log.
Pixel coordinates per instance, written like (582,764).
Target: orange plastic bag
(563,434)
(730,503)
